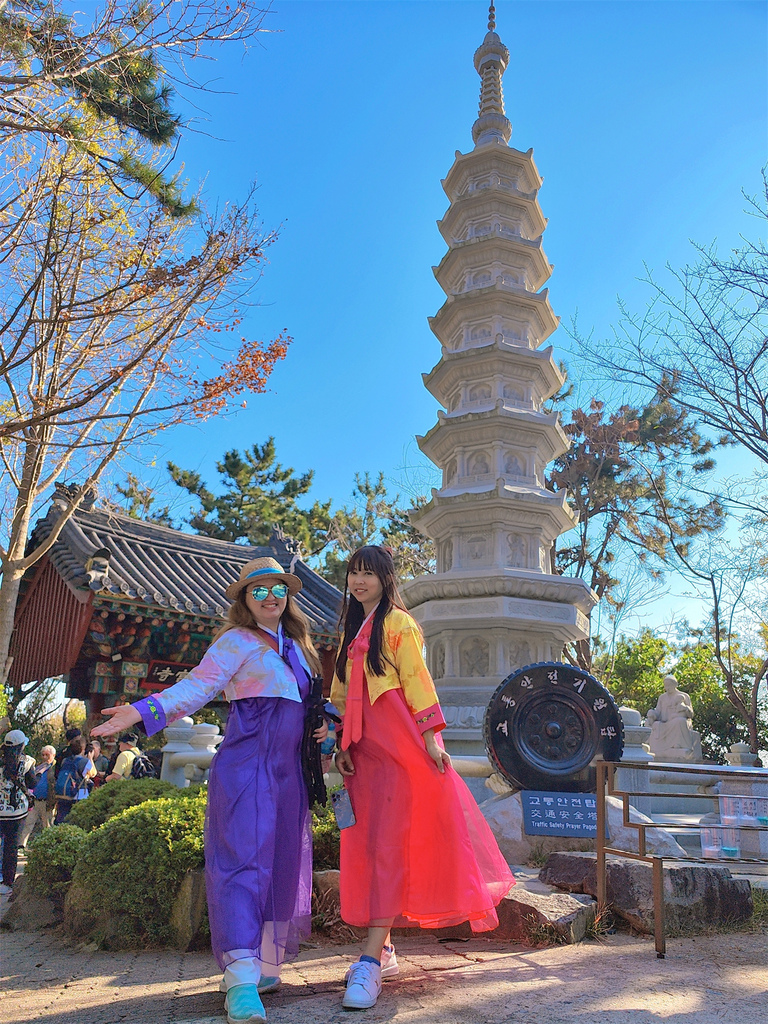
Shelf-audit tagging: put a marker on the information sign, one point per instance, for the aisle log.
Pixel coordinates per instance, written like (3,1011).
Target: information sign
(559,814)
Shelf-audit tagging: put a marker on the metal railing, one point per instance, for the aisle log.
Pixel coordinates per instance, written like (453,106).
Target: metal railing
(703,775)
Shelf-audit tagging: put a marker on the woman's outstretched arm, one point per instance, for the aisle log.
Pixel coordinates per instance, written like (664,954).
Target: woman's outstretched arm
(119,720)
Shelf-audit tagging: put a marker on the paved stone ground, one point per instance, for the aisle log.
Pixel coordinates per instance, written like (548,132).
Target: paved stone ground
(719,979)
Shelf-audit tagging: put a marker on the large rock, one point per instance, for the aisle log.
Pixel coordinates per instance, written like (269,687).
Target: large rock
(326,882)
(696,896)
(189,913)
(102,925)
(28,912)
(531,913)
(326,909)
(504,814)
(80,919)
(533,917)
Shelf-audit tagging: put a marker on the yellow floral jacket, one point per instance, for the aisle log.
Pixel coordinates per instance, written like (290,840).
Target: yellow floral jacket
(404,669)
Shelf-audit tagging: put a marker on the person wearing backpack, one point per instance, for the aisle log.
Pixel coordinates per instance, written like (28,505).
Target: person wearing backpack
(131,763)
(70,749)
(17,778)
(72,779)
(43,796)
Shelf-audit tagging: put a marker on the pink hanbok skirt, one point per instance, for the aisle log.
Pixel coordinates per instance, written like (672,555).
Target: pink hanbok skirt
(421,853)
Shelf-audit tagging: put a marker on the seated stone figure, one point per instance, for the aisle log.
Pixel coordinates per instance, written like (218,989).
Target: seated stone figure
(673,737)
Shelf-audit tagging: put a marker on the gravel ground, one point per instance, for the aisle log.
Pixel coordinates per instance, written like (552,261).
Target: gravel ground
(718,979)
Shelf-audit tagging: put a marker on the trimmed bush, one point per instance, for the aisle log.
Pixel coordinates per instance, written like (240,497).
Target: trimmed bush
(325,838)
(116,796)
(128,870)
(52,858)
(132,867)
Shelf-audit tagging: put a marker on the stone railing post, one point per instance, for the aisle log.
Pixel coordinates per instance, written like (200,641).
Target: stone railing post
(635,749)
(178,738)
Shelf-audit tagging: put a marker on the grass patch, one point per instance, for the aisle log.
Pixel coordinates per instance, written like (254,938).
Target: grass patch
(759,920)
(325,837)
(542,933)
(602,924)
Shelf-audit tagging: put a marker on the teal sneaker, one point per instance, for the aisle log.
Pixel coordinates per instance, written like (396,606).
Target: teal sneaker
(266,984)
(244,1006)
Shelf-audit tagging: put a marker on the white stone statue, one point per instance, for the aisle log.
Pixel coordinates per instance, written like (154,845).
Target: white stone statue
(673,737)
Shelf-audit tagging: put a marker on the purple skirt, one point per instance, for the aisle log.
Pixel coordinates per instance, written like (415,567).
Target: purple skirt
(258,839)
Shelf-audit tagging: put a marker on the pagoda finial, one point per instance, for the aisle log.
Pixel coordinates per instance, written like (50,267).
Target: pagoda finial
(491,59)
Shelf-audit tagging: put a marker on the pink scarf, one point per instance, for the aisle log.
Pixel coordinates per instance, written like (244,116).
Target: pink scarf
(353,717)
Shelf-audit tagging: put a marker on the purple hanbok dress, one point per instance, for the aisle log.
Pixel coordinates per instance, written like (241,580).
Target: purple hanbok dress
(258,842)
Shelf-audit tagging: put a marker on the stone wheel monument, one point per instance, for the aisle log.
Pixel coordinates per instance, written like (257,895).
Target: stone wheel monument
(546,724)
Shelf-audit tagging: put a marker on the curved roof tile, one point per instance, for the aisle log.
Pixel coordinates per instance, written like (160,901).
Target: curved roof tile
(171,569)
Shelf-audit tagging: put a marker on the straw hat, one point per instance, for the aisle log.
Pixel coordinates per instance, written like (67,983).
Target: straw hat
(263,571)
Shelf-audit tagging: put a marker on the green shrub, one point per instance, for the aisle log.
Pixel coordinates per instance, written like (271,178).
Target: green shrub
(113,798)
(52,858)
(325,838)
(132,866)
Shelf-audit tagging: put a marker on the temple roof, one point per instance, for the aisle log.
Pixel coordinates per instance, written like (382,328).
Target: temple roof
(122,558)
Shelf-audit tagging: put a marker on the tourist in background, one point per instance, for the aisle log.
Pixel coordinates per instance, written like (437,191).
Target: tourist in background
(72,779)
(71,748)
(420,853)
(128,749)
(100,762)
(258,843)
(42,798)
(17,778)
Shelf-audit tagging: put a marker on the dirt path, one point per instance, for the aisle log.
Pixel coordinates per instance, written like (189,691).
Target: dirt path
(721,979)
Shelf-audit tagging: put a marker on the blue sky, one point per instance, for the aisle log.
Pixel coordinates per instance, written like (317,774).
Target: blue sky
(647,119)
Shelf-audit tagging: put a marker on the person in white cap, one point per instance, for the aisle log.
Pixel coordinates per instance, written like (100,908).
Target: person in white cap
(258,843)
(17,778)
(41,798)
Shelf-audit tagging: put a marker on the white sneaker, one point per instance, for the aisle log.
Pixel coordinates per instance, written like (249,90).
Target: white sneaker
(5,890)
(363,986)
(389,965)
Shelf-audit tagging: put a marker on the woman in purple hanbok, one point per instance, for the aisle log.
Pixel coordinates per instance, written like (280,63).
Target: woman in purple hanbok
(258,844)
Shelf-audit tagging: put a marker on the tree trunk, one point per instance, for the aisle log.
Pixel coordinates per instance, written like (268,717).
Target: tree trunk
(9,593)
(65,713)
(754,743)
(13,562)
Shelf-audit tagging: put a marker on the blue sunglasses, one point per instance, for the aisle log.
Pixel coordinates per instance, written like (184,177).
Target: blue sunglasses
(278,590)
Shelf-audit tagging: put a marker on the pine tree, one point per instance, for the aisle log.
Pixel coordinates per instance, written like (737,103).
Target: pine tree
(259,493)
(65,78)
(628,475)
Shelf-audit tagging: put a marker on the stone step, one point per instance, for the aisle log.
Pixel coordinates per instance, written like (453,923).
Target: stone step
(532,913)
(696,895)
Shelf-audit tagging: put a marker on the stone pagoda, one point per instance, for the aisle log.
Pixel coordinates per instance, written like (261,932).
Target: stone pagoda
(494,604)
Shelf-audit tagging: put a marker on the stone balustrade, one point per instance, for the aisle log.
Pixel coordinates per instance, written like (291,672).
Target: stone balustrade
(188,745)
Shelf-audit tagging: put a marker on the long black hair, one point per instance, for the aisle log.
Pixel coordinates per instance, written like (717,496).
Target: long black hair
(376,559)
